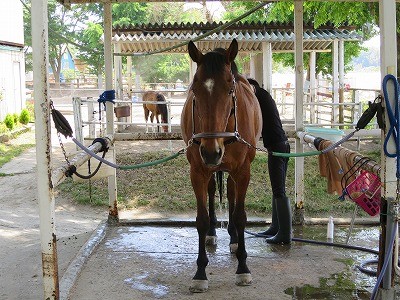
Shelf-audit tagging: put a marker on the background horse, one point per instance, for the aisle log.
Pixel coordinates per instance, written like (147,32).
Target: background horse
(155,110)
(220,118)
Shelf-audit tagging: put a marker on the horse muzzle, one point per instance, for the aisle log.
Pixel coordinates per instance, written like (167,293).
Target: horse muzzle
(211,153)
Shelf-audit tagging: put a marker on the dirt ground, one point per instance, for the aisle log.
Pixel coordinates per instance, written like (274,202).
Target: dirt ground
(20,255)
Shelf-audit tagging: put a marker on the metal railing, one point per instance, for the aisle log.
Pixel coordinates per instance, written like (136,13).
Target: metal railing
(321,112)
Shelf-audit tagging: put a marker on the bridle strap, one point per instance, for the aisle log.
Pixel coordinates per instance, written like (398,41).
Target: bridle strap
(214,135)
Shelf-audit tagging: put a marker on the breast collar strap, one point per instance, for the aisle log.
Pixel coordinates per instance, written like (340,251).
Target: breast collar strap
(233,136)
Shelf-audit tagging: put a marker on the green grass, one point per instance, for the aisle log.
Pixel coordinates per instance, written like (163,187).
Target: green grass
(167,188)
(9,151)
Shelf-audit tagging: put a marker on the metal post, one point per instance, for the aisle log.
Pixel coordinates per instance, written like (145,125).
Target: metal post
(112,180)
(91,118)
(335,79)
(48,237)
(298,217)
(76,107)
(387,22)
(267,66)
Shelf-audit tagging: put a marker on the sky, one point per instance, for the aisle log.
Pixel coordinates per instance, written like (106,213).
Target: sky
(215,7)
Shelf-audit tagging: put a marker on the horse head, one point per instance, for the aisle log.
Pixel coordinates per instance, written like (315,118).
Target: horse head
(213,104)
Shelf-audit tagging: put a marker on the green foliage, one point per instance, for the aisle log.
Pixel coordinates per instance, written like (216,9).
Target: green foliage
(24,117)
(9,121)
(358,14)
(125,14)
(31,110)
(163,68)
(16,118)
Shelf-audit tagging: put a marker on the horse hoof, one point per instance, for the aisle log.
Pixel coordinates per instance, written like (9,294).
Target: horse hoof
(243,279)
(233,247)
(198,286)
(211,240)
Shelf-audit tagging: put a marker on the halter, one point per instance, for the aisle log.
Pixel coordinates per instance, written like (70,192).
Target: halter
(213,135)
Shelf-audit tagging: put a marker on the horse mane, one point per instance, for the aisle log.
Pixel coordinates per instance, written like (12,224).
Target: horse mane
(162,107)
(213,63)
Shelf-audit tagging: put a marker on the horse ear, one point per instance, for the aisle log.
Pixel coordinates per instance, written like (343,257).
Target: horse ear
(232,51)
(194,53)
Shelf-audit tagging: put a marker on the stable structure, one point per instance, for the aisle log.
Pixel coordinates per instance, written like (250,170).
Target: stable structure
(42,110)
(12,59)
(259,39)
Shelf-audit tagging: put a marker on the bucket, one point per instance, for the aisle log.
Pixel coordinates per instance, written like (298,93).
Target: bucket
(331,134)
(365,191)
(122,111)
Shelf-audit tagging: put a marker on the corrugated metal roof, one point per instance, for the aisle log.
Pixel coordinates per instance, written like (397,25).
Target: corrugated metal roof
(250,36)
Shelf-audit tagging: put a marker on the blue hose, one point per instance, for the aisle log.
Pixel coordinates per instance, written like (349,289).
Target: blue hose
(394,120)
(393,132)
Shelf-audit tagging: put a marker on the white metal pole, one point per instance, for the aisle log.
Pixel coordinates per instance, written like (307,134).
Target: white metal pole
(108,60)
(335,79)
(43,149)
(252,66)
(77,109)
(313,86)
(388,51)
(267,66)
(299,73)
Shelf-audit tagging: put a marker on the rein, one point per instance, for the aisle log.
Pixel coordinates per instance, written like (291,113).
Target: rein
(234,136)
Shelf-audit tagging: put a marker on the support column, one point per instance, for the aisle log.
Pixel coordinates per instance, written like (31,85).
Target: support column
(335,80)
(313,85)
(388,51)
(48,238)
(258,69)
(267,66)
(252,66)
(298,216)
(108,59)
(341,81)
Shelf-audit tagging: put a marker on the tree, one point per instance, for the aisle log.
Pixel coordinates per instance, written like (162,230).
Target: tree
(63,27)
(358,14)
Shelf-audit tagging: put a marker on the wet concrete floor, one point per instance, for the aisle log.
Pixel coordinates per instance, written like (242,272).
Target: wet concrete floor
(157,262)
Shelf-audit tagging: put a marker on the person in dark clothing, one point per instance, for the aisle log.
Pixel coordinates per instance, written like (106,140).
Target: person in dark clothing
(275,140)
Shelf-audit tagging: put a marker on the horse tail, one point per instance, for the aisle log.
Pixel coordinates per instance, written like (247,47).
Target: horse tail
(220,184)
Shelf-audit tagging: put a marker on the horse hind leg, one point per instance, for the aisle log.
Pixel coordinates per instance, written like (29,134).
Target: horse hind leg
(146,117)
(233,243)
(211,237)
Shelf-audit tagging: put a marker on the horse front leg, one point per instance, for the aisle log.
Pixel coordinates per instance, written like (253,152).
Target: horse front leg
(200,184)
(233,243)
(152,120)
(243,276)
(146,117)
(211,237)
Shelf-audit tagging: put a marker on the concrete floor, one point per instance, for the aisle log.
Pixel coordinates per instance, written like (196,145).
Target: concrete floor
(158,262)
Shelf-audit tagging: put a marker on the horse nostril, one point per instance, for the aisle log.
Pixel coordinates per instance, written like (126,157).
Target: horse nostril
(211,157)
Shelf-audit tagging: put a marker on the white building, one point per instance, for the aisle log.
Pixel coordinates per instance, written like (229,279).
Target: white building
(12,59)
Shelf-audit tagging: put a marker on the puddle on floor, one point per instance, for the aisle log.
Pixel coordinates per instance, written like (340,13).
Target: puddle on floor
(177,247)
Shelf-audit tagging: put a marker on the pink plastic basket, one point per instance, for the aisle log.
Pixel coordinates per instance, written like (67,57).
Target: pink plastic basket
(365,190)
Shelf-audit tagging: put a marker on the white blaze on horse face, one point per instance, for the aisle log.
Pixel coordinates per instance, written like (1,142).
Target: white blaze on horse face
(209,84)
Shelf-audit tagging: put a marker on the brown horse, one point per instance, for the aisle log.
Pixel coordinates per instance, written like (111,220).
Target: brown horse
(220,121)
(155,110)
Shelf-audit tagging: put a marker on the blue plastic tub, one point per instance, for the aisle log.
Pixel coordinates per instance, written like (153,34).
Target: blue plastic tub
(332,134)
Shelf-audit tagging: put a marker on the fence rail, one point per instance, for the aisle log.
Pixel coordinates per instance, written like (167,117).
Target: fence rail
(320,112)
